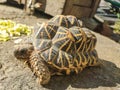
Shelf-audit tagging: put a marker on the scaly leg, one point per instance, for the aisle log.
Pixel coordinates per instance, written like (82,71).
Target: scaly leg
(39,68)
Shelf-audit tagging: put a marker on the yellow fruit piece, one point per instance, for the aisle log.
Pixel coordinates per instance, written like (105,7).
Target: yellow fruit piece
(9,29)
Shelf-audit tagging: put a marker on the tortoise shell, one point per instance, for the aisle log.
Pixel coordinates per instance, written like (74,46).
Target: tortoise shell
(64,45)
(65,21)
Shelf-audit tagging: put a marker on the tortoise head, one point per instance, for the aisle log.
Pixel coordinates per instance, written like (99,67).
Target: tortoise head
(23,51)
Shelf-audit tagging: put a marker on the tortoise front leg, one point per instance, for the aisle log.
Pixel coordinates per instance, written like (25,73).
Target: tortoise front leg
(39,68)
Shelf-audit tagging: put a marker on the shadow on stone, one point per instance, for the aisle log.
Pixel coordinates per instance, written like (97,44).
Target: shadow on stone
(106,75)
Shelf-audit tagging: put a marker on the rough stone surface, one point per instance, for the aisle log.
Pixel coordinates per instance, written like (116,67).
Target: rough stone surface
(14,75)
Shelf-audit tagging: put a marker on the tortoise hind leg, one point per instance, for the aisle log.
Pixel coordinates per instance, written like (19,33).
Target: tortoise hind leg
(39,68)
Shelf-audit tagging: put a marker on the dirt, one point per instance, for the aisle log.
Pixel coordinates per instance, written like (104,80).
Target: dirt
(15,75)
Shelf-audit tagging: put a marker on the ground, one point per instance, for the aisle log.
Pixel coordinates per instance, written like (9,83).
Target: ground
(14,75)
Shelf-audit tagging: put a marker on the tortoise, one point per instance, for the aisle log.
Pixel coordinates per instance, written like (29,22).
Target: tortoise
(58,49)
